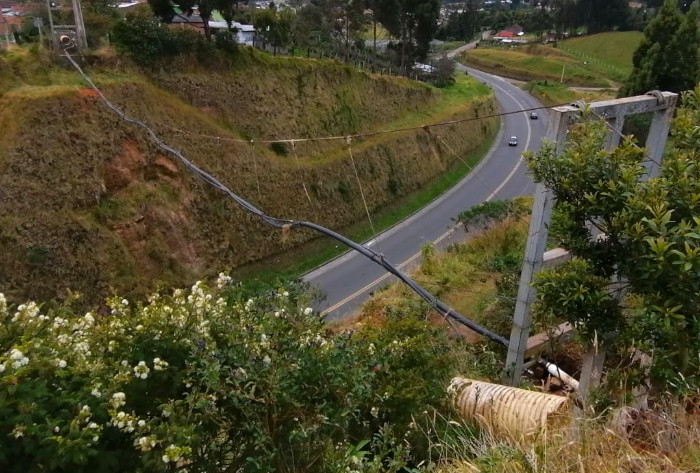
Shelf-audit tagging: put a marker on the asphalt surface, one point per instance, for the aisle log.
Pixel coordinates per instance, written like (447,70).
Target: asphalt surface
(349,280)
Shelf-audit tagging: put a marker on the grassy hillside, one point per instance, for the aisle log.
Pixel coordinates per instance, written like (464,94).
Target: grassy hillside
(540,62)
(88,202)
(553,93)
(534,62)
(613,49)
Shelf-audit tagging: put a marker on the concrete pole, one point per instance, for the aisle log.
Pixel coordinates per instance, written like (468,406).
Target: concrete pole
(7,29)
(658,134)
(534,251)
(79,25)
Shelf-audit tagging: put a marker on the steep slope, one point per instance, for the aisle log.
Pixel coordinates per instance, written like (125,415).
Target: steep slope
(88,203)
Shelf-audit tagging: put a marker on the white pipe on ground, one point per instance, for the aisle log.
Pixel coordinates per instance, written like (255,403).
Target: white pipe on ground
(557,372)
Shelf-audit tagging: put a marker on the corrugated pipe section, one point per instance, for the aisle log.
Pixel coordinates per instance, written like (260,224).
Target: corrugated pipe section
(504,410)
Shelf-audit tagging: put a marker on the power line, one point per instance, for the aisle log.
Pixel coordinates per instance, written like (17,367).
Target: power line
(286,224)
(364,134)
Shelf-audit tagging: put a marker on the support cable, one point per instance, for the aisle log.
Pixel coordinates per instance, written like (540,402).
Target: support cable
(359,183)
(368,133)
(285,224)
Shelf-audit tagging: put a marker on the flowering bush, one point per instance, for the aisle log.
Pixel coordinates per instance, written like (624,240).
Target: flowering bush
(210,380)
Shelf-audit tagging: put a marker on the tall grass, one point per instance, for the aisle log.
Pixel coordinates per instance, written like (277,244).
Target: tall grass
(666,439)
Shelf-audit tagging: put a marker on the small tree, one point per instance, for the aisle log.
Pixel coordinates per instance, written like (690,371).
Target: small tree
(443,75)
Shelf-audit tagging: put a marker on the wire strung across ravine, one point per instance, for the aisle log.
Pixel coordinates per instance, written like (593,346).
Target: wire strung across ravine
(286,224)
(366,134)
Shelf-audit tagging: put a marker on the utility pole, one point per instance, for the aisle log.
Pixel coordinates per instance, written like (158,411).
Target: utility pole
(559,119)
(76,30)
(563,67)
(7,29)
(614,112)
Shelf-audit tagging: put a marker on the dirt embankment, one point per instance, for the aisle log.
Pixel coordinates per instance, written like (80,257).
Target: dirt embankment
(88,203)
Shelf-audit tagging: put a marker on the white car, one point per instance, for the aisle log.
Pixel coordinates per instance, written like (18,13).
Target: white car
(513,141)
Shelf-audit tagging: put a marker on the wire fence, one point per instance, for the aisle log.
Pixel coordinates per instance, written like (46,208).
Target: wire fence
(360,58)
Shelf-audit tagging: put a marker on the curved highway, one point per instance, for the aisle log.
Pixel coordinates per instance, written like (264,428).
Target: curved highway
(349,280)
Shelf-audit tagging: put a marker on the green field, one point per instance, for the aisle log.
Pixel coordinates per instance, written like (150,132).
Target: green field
(382,33)
(599,60)
(537,62)
(613,49)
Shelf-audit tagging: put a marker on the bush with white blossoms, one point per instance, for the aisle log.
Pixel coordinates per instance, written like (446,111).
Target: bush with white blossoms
(209,380)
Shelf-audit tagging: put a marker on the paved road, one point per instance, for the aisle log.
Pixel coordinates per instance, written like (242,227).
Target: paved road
(348,281)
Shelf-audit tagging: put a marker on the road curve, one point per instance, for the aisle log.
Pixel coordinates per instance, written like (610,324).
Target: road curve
(349,280)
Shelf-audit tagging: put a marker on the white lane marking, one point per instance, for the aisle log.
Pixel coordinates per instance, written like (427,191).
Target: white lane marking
(448,232)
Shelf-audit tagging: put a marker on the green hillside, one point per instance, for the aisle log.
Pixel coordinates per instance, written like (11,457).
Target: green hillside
(89,203)
(535,62)
(614,49)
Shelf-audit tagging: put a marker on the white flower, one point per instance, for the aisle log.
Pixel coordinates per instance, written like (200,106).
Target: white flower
(2,367)
(141,423)
(125,302)
(267,360)
(89,318)
(374,411)
(285,294)
(56,429)
(118,400)
(308,311)
(18,431)
(92,425)
(62,364)
(159,365)
(95,438)
(141,370)
(96,393)
(85,408)
(3,302)
(15,354)
(223,280)
(18,358)
(166,459)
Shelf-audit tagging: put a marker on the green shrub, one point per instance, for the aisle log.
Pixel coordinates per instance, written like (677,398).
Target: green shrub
(280,148)
(212,380)
(345,190)
(494,210)
(149,42)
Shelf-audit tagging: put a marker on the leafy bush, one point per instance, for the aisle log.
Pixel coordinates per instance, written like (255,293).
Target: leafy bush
(147,41)
(494,210)
(211,380)
(280,148)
